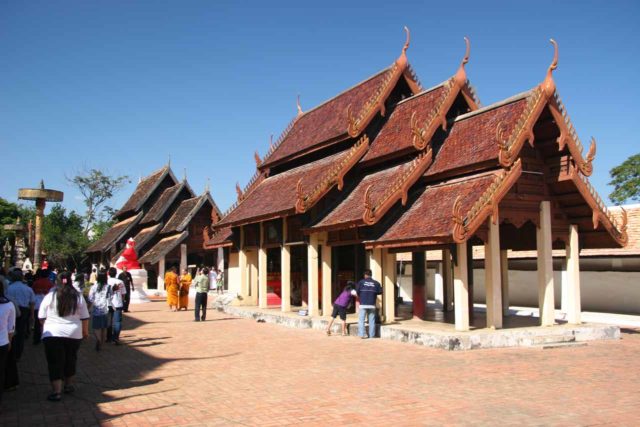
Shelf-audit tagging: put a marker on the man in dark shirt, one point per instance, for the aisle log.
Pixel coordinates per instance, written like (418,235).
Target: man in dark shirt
(368,290)
(125,276)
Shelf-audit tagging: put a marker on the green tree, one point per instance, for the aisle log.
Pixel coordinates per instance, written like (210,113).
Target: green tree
(64,239)
(96,188)
(625,179)
(9,212)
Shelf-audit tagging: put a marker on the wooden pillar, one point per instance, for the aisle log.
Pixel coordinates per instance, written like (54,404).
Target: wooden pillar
(504,279)
(419,284)
(470,280)
(243,267)
(545,266)
(326,278)
(375,264)
(461,288)
(183,258)
(312,276)
(285,270)
(492,272)
(574,306)
(262,270)
(388,286)
(253,276)
(161,272)
(447,278)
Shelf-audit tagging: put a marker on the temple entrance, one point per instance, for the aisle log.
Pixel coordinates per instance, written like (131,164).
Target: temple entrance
(274,275)
(348,263)
(299,275)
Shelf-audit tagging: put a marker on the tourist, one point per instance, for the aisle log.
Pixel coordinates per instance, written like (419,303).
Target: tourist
(115,310)
(172,287)
(65,322)
(78,282)
(220,281)
(53,274)
(368,290)
(340,306)
(41,287)
(93,276)
(7,328)
(25,300)
(202,290)
(185,284)
(213,279)
(99,297)
(127,279)
(4,282)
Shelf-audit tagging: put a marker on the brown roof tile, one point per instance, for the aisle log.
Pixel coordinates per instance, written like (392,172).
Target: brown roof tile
(396,134)
(351,209)
(277,194)
(163,247)
(473,136)
(181,214)
(220,238)
(429,218)
(143,191)
(142,238)
(162,204)
(115,233)
(326,121)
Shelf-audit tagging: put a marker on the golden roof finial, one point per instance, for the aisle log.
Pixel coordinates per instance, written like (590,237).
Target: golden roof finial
(461,74)
(402,59)
(549,85)
(300,112)
(257,158)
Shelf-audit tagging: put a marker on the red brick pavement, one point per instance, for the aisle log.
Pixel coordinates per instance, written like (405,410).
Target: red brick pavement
(226,371)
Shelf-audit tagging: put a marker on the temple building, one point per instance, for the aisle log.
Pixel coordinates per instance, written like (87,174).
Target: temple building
(389,167)
(165,218)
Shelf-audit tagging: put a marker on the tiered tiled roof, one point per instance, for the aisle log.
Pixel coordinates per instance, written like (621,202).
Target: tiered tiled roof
(143,191)
(142,238)
(187,209)
(115,233)
(220,238)
(162,204)
(163,247)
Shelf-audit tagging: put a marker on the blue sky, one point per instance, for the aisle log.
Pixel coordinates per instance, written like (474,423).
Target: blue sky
(123,86)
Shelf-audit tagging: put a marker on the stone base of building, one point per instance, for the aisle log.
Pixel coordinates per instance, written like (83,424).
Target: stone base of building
(441,335)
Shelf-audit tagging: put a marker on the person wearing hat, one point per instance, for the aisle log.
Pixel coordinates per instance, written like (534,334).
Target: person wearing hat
(24,299)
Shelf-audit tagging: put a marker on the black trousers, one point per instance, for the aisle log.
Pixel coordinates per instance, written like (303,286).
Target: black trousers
(22,325)
(126,299)
(62,356)
(201,302)
(4,354)
(37,331)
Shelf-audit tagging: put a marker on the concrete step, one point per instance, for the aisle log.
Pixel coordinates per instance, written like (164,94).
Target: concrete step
(564,345)
(551,339)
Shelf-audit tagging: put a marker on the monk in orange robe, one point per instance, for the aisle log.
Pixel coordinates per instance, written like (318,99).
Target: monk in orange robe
(173,287)
(185,284)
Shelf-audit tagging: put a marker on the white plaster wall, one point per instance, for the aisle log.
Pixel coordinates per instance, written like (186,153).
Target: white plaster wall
(233,273)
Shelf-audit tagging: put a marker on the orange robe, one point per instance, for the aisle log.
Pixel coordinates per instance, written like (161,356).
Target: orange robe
(172,287)
(185,284)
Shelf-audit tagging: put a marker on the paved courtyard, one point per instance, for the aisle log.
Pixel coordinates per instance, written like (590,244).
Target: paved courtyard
(228,371)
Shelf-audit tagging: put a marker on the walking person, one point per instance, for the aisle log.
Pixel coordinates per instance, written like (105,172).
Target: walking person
(220,281)
(117,303)
(173,288)
(65,322)
(25,300)
(368,290)
(41,287)
(185,284)
(99,297)
(127,279)
(7,328)
(202,290)
(340,306)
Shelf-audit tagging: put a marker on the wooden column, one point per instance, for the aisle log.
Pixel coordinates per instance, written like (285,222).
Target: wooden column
(545,266)
(447,278)
(327,297)
(419,284)
(253,276)
(183,258)
(461,288)
(312,276)
(470,280)
(375,264)
(388,286)
(262,271)
(493,288)
(243,267)
(504,278)
(161,272)
(574,307)
(285,270)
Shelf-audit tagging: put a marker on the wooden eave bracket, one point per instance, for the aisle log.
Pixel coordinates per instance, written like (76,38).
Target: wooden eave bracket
(600,214)
(465,225)
(398,190)
(334,177)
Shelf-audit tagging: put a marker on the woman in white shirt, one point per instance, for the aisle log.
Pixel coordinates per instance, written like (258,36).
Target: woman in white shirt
(7,328)
(65,322)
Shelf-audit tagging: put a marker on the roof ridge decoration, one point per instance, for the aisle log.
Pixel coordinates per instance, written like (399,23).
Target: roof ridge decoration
(600,213)
(333,177)
(544,94)
(256,179)
(274,146)
(375,104)
(399,190)
(438,115)
(464,225)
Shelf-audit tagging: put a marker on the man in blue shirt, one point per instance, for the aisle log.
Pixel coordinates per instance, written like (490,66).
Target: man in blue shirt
(25,300)
(368,290)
